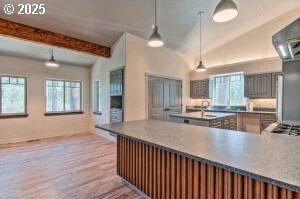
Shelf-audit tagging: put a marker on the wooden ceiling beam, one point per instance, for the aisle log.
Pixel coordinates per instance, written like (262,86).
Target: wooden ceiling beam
(25,32)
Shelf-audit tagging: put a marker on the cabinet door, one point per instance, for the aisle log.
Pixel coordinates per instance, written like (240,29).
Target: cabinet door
(250,86)
(172,97)
(199,89)
(119,82)
(116,82)
(205,89)
(112,83)
(264,82)
(274,84)
(193,89)
(266,120)
(164,98)
(156,99)
(258,86)
(116,115)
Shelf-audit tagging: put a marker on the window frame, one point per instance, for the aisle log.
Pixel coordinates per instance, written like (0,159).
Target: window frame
(53,113)
(97,85)
(229,75)
(14,115)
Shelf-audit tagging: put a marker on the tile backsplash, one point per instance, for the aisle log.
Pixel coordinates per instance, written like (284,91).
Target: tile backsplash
(258,103)
(264,103)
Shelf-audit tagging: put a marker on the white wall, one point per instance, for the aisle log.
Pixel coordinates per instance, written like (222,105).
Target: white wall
(141,60)
(100,72)
(36,125)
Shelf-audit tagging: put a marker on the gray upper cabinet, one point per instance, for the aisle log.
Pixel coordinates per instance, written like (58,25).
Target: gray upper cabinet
(199,89)
(274,84)
(116,82)
(258,86)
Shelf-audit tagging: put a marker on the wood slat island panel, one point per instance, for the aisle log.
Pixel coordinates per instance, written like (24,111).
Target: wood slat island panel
(162,174)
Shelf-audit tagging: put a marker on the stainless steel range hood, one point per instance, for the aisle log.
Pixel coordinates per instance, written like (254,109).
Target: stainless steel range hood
(287,41)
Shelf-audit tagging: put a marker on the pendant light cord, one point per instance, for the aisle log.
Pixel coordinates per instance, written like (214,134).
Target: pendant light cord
(155,13)
(200,33)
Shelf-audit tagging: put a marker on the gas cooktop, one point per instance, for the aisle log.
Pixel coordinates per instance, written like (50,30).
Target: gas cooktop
(287,129)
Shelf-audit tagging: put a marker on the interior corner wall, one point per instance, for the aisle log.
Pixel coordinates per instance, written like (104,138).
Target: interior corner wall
(142,60)
(37,125)
(101,72)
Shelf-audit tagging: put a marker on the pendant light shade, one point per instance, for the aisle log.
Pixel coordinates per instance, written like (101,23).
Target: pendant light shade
(226,10)
(200,67)
(51,62)
(155,40)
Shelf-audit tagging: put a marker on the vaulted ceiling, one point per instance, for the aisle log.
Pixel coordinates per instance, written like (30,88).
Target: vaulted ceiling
(103,21)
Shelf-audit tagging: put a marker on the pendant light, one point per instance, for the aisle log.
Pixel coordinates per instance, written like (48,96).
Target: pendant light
(226,10)
(51,62)
(200,67)
(155,40)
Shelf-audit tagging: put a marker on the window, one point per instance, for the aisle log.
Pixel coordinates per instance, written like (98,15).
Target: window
(228,89)
(63,96)
(12,95)
(97,97)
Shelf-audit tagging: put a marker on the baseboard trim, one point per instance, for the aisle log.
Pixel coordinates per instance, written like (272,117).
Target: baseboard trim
(46,139)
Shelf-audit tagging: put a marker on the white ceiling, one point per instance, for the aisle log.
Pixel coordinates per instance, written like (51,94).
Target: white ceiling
(103,21)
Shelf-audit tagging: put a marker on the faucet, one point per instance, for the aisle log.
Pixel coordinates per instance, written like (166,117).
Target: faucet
(202,109)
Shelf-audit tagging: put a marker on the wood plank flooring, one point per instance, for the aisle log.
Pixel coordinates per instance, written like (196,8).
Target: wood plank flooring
(77,167)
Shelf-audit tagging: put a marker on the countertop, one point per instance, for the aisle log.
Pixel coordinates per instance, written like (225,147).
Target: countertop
(232,111)
(271,158)
(198,116)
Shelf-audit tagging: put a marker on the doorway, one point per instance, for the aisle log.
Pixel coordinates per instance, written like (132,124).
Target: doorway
(164,97)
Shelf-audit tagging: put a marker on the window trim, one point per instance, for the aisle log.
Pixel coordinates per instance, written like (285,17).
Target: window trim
(15,115)
(53,113)
(97,110)
(214,87)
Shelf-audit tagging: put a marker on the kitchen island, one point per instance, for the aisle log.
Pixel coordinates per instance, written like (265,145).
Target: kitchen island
(215,120)
(170,160)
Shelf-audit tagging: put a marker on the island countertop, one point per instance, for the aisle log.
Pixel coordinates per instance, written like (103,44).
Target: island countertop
(206,116)
(274,159)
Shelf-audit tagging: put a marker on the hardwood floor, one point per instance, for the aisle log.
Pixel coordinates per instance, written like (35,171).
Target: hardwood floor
(77,167)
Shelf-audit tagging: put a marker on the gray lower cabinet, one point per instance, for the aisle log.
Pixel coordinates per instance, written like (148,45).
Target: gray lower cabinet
(258,85)
(266,120)
(199,89)
(229,122)
(116,115)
